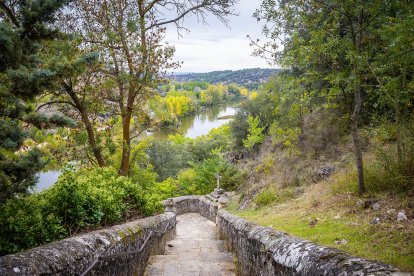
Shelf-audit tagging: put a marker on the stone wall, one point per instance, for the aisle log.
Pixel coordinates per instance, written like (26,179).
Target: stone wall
(259,250)
(74,255)
(195,204)
(265,251)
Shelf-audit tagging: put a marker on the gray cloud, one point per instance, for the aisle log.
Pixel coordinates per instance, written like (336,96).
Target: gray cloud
(215,46)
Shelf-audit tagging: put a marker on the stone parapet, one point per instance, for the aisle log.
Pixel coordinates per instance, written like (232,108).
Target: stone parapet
(73,256)
(259,250)
(265,251)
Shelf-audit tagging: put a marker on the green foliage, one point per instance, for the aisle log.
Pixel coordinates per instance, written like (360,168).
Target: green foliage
(265,197)
(158,192)
(169,157)
(27,222)
(385,132)
(266,165)
(79,200)
(387,174)
(347,56)
(250,78)
(288,137)
(255,136)
(43,121)
(23,76)
(90,198)
(201,178)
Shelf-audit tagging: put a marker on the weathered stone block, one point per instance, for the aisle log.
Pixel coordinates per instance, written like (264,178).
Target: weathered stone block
(74,255)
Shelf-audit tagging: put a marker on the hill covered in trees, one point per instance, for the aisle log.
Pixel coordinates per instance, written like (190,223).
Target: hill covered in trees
(248,77)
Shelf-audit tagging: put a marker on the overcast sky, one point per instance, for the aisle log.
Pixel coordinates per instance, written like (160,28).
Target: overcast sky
(217,47)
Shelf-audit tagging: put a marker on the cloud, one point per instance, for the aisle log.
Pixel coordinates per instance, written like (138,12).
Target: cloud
(216,46)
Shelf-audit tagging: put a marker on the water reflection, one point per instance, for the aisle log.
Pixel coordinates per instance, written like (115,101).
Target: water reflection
(46,179)
(198,123)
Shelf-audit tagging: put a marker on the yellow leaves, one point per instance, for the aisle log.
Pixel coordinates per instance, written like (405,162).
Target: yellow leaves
(253,95)
(244,91)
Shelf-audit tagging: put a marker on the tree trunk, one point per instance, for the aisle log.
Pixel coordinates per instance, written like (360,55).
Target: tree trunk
(91,139)
(357,140)
(126,143)
(398,117)
(88,126)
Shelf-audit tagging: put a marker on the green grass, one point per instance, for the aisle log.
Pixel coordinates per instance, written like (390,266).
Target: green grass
(386,242)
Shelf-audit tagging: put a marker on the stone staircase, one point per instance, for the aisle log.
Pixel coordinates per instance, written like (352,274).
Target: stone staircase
(195,250)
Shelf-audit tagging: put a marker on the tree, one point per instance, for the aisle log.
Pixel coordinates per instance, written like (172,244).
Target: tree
(78,85)
(128,35)
(332,44)
(255,135)
(24,26)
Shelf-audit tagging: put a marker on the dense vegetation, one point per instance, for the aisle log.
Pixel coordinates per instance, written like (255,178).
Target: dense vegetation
(333,132)
(251,78)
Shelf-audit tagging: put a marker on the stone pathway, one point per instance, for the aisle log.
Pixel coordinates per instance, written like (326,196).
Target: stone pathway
(195,250)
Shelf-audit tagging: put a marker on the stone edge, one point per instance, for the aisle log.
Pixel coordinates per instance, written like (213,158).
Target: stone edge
(74,255)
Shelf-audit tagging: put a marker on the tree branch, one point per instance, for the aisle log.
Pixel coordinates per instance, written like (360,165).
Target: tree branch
(54,102)
(9,13)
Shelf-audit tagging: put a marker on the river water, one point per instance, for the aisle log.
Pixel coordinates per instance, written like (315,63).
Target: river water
(194,125)
(199,123)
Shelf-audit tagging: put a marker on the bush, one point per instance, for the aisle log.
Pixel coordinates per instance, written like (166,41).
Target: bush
(201,178)
(169,157)
(27,222)
(157,193)
(386,174)
(78,201)
(93,197)
(265,197)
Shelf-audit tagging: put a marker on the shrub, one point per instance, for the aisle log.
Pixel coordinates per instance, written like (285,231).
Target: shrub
(93,197)
(265,197)
(27,222)
(157,193)
(78,201)
(201,178)
(255,136)
(385,174)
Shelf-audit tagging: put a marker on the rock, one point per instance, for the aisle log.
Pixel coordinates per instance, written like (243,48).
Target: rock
(343,241)
(325,171)
(401,216)
(376,220)
(223,200)
(375,206)
(369,202)
(390,211)
(337,217)
(313,222)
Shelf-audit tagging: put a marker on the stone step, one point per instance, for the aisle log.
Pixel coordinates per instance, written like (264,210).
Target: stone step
(195,250)
(166,266)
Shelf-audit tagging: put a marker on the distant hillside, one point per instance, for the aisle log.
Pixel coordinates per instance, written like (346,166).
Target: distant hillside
(248,77)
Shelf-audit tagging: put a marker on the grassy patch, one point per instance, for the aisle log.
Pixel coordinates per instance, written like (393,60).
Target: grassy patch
(340,217)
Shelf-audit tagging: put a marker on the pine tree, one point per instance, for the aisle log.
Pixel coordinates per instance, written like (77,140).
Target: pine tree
(24,25)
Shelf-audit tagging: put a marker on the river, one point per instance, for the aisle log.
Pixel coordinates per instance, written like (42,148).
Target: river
(194,125)
(199,123)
